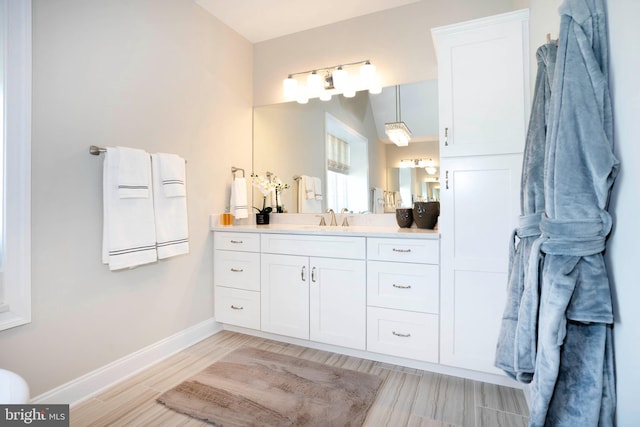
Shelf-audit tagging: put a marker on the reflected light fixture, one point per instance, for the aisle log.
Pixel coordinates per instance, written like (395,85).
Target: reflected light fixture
(398,132)
(430,169)
(324,82)
(428,165)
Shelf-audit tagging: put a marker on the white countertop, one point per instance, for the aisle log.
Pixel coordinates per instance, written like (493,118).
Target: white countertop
(356,230)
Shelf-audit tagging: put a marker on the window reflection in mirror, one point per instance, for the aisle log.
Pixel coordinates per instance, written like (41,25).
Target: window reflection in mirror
(347,167)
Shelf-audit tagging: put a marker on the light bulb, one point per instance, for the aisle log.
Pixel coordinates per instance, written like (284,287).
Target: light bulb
(367,74)
(340,79)
(314,84)
(290,86)
(325,95)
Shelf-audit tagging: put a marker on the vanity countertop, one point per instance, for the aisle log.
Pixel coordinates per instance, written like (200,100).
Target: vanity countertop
(356,230)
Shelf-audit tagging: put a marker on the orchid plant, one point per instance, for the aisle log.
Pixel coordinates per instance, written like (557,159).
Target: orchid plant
(266,187)
(279,187)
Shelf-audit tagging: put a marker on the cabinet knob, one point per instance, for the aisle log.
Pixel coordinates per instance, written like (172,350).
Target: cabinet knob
(233,307)
(402,286)
(237,270)
(398,334)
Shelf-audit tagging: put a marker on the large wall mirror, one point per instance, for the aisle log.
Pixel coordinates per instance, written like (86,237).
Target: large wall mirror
(342,144)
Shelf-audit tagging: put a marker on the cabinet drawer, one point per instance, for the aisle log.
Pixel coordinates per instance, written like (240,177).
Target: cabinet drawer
(404,250)
(403,333)
(237,307)
(403,286)
(321,246)
(237,241)
(237,269)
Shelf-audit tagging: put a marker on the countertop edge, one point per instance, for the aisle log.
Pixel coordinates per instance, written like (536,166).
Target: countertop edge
(355,231)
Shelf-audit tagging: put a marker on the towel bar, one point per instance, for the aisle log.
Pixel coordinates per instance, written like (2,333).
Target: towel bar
(235,169)
(96,151)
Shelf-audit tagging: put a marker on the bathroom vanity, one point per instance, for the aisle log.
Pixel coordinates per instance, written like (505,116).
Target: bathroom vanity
(372,292)
(350,287)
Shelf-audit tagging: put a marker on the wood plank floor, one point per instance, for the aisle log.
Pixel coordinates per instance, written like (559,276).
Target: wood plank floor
(407,397)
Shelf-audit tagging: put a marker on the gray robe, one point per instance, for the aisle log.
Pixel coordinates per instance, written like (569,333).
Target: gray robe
(516,355)
(573,382)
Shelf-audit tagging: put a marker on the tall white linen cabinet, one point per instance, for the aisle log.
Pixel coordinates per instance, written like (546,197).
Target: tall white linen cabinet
(484,103)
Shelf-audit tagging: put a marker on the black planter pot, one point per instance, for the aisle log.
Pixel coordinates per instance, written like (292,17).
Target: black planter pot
(425,214)
(262,218)
(404,217)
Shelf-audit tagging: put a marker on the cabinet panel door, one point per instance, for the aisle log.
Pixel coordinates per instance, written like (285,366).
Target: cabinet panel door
(285,295)
(483,85)
(479,210)
(338,302)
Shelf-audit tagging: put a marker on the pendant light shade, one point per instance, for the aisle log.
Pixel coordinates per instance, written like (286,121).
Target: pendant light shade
(398,132)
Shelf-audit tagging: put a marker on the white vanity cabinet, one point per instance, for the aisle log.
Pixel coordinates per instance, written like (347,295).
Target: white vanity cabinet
(319,293)
(236,278)
(403,297)
(483,85)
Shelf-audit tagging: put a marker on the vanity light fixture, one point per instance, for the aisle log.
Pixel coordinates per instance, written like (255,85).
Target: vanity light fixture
(397,131)
(324,82)
(428,165)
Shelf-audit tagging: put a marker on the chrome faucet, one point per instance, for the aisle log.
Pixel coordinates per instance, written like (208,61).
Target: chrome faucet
(333,217)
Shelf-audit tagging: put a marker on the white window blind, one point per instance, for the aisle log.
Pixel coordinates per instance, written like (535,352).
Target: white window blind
(338,155)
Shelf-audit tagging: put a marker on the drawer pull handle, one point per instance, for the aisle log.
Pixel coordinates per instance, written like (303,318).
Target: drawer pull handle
(401,250)
(233,307)
(236,241)
(402,286)
(302,273)
(313,275)
(401,335)
(237,270)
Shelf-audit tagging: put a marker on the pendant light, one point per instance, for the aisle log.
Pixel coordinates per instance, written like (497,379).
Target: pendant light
(397,131)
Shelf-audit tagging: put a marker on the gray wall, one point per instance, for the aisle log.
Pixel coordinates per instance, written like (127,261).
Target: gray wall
(162,75)
(622,249)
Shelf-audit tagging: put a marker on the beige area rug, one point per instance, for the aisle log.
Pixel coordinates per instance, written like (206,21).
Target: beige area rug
(252,387)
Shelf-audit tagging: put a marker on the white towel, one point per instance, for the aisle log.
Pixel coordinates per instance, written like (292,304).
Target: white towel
(172,175)
(307,185)
(305,204)
(133,177)
(128,234)
(172,230)
(238,202)
(317,188)
(377,200)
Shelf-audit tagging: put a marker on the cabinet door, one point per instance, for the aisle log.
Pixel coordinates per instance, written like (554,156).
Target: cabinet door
(285,295)
(483,85)
(479,209)
(338,302)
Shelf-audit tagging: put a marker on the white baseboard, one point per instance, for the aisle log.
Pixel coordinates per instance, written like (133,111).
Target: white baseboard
(94,382)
